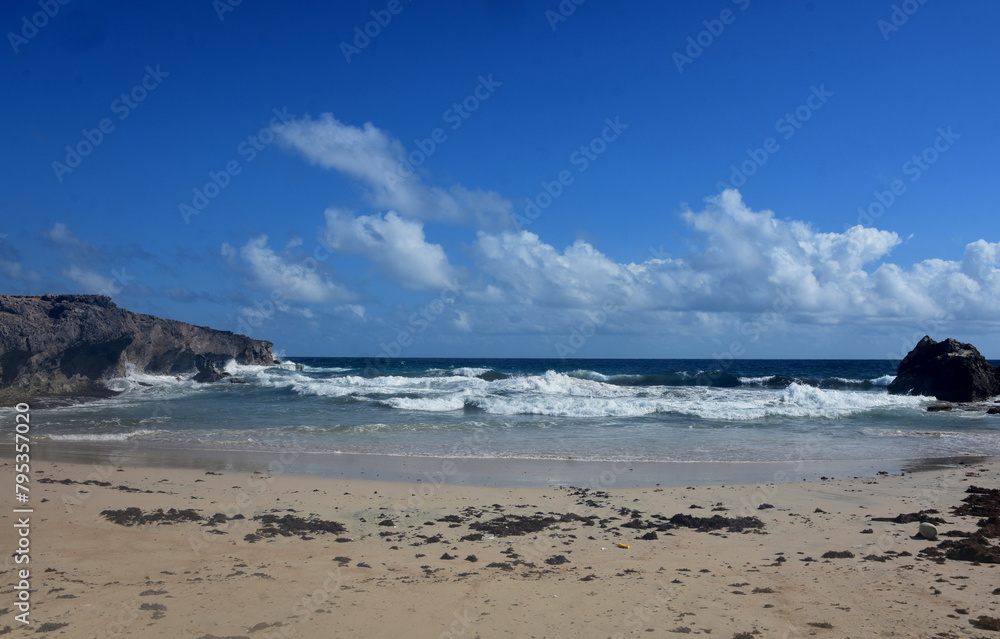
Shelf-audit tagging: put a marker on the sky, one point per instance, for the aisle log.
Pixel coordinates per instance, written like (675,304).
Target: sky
(499,178)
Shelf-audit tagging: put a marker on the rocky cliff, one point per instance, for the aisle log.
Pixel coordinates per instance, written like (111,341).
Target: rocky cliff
(67,345)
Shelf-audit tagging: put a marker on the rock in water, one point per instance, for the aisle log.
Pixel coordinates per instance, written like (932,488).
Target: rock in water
(950,371)
(928,530)
(68,345)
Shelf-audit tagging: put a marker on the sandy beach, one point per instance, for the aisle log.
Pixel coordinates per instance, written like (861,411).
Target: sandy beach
(168,552)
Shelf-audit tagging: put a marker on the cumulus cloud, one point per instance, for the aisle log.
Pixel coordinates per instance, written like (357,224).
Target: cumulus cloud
(746,262)
(379,162)
(537,273)
(397,246)
(295,281)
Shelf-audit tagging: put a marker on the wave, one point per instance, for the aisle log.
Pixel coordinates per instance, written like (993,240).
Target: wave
(830,383)
(716,378)
(486,374)
(134,382)
(585,393)
(443,403)
(102,437)
(324,369)
(565,395)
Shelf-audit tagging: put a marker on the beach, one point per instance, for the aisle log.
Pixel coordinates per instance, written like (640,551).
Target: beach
(193,552)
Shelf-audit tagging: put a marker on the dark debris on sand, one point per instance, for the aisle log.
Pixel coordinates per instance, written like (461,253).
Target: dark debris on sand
(516,525)
(135,517)
(912,518)
(289,525)
(716,522)
(972,546)
(986,623)
(981,502)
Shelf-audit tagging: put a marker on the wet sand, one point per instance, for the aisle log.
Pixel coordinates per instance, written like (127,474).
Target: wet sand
(491,472)
(250,552)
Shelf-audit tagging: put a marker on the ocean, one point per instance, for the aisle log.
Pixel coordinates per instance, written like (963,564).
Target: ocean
(601,409)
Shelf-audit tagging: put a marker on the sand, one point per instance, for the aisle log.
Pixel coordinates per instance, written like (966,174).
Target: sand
(408,562)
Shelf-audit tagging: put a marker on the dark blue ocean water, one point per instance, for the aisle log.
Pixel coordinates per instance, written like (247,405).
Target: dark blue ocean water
(744,410)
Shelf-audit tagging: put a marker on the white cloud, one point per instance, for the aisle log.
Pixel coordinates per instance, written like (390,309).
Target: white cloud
(295,281)
(61,234)
(379,161)
(14,270)
(91,281)
(746,262)
(357,310)
(397,246)
(461,322)
(742,262)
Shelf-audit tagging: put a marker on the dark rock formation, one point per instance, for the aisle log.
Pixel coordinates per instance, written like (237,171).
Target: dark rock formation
(950,371)
(67,345)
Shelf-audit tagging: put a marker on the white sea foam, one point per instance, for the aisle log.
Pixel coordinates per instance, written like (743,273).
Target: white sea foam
(436,404)
(885,380)
(568,395)
(367,386)
(591,375)
(797,400)
(556,406)
(466,371)
(103,437)
(134,381)
(251,370)
(558,384)
(328,369)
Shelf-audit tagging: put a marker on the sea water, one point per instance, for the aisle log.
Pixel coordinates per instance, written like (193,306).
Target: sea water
(657,410)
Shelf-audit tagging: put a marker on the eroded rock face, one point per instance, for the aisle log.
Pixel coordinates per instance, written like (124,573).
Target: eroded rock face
(67,345)
(949,370)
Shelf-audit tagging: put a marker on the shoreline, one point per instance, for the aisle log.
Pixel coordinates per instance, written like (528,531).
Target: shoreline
(484,472)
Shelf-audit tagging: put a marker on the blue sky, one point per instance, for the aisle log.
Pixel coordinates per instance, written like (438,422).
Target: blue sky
(499,178)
